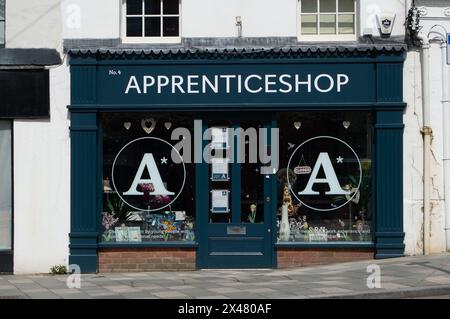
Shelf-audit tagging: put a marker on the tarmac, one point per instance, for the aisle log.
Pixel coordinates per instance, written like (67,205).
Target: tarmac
(406,277)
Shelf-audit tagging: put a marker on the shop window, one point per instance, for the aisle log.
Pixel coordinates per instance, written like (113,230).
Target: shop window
(148,183)
(155,21)
(2,22)
(327,20)
(5,186)
(325,177)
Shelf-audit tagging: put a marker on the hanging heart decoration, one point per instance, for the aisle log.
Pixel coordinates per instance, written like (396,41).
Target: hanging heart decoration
(297,125)
(168,125)
(346,124)
(148,125)
(127,125)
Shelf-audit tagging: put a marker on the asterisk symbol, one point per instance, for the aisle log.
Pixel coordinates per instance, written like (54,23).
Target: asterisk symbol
(164,160)
(340,160)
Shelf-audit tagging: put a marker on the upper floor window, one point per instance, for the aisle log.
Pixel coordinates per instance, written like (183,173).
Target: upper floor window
(2,22)
(328,20)
(155,21)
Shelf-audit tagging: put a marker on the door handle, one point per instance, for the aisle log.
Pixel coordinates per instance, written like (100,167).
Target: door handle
(268,199)
(268,230)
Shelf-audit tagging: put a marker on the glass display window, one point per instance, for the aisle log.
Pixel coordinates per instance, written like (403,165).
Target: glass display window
(148,186)
(325,177)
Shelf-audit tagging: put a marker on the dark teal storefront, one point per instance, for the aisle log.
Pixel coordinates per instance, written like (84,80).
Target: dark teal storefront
(110,90)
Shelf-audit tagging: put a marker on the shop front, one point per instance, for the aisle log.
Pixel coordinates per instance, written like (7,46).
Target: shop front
(261,159)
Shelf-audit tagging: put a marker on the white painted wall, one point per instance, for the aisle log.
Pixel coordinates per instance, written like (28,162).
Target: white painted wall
(370,10)
(413,169)
(33,24)
(87,19)
(41,184)
(260,18)
(100,19)
(412,155)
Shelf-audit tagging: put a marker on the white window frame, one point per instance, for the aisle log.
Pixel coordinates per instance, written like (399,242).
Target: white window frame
(326,37)
(144,39)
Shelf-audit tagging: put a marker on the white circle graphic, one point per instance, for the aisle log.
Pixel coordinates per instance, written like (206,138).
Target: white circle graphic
(148,138)
(354,193)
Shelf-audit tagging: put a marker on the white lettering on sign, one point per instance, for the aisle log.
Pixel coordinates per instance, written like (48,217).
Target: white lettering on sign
(330,178)
(155,178)
(232,83)
(133,84)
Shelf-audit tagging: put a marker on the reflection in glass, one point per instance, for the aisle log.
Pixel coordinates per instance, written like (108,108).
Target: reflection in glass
(152,6)
(2,9)
(2,32)
(170,6)
(170,27)
(346,23)
(134,27)
(5,186)
(346,5)
(134,7)
(327,5)
(327,24)
(309,6)
(309,24)
(153,27)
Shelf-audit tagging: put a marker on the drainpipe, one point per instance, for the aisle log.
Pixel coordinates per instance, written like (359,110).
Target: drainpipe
(427,134)
(446,131)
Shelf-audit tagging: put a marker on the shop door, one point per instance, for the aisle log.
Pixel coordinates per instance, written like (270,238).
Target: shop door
(236,196)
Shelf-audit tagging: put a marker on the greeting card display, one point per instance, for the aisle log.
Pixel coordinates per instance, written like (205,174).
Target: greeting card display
(219,169)
(219,201)
(219,138)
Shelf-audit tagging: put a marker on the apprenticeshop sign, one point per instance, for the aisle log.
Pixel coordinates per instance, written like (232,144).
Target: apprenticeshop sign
(257,84)
(236,83)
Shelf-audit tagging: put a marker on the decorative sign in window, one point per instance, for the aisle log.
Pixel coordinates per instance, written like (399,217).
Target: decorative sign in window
(325,182)
(148,190)
(321,189)
(150,186)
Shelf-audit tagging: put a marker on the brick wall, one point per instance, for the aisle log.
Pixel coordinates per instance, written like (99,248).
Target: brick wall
(146,259)
(291,257)
(167,259)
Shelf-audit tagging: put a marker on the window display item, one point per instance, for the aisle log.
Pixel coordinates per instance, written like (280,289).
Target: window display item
(284,231)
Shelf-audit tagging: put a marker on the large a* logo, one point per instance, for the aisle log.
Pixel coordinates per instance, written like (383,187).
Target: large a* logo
(148,174)
(332,180)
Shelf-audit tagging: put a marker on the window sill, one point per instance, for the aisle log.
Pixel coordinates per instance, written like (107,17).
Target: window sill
(339,245)
(174,244)
(151,40)
(327,38)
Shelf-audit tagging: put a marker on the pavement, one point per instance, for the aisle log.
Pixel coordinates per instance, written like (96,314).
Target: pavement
(407,277)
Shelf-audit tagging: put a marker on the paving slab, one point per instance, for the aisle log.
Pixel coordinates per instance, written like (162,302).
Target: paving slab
(404,277)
